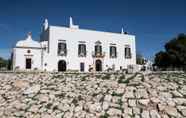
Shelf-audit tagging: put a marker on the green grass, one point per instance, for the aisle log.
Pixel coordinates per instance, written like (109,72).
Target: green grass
(104,116)
(116,94)
(98,76)
(84,78)
(121,79)
(127,80)
(120,102)
(106,77)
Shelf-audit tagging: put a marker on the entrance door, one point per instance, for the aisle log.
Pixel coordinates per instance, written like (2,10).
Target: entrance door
(62,65)
(28,63)
(82,67)
(98,65)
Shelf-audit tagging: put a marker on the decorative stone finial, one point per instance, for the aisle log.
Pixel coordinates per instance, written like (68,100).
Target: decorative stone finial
(122,32)
(29,36)
(30,33)
(71,24)
(45,24)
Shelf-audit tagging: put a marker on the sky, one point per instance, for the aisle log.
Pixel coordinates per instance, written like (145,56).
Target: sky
(153,22)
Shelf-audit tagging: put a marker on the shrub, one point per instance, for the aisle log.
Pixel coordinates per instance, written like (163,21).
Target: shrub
(121,78)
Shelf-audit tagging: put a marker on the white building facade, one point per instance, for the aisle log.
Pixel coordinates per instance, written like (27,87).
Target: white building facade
(72,48)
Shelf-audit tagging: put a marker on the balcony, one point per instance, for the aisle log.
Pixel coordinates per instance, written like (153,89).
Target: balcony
(82,54)
(62,53)
(98,54)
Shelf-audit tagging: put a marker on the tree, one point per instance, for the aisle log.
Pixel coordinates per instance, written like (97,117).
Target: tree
(162,59)
(3,63)
(174,55)
(140,59)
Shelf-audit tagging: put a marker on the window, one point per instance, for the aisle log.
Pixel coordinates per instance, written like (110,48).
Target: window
(128,52)
(62,49)
(98,49)
(28,51)
(82,67)
(113,52)
(82,50)
(45,64)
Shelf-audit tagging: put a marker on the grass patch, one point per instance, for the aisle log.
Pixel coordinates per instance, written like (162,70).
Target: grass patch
(83,78)
(98,76)
(127,80)
(106,77)
(57,76)
(116,94)
(106,115)
(121,79)
(120,102)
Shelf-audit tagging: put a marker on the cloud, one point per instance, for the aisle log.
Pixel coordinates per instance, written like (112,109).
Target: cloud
(5,53)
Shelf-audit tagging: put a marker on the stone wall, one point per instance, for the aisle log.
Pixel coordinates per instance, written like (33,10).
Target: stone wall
(50,95)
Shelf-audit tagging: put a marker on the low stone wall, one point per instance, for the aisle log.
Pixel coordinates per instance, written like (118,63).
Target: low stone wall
(92,95)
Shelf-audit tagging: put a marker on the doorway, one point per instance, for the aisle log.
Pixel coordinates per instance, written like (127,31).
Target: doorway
(61,66)
(28,63)
(82,67)
(98,65)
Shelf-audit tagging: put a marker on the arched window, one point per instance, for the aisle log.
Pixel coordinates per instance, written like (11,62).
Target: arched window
(62,65)
(98,48)
(82,50)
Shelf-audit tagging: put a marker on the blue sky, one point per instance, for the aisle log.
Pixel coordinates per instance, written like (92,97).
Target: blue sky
(154,22)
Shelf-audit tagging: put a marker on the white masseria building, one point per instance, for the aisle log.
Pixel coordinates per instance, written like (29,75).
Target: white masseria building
(71,48)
